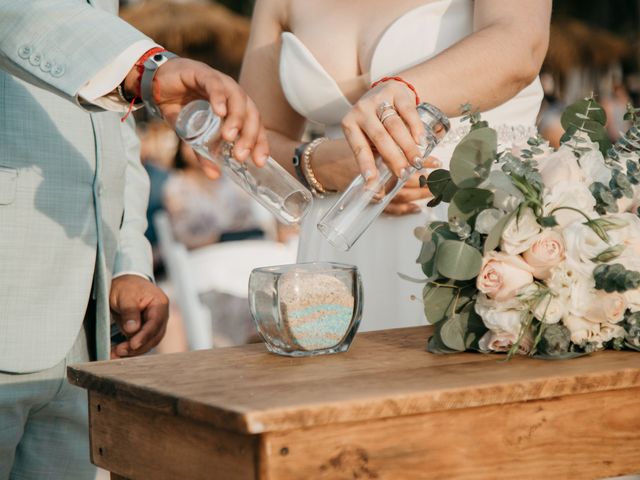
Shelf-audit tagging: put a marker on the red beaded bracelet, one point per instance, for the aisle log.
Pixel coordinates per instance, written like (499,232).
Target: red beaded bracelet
(139,66)
(398,79)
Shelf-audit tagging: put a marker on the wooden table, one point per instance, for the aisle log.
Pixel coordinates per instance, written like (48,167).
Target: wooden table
(384,410)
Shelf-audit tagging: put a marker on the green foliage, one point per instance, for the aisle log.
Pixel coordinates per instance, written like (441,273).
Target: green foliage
(588,117)
(555,340)
(609,254)
(457,260)
(615,278)
(441,186)
(472,158)
(467,203)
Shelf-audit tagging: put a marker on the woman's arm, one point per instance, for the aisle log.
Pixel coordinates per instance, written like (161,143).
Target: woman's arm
(334,164)
(487,68)
(333,161)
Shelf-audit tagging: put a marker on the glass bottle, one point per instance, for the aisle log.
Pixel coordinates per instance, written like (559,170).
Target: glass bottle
(363,202)
(271,185)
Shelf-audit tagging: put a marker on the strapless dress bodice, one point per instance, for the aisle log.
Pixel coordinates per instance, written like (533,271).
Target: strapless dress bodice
(414,37)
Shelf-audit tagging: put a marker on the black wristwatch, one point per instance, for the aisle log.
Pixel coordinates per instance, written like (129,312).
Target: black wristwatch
(297,164)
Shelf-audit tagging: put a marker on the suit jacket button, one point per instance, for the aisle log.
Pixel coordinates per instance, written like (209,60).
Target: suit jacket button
(35,59)
(25,51)
(57,70)
(46,66)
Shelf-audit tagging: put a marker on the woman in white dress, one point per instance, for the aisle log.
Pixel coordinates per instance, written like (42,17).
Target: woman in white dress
(316,60)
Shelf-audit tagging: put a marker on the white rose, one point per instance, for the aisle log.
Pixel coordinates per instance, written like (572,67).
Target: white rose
(629,237)
(594,168)
(503,276)
(501,316)
(487,219)
(581,245)
(569,194)
(608,332)
(545,252)
(632,297)
(551,309)
(520,233)
(605,307)
(581,330)
(561,167)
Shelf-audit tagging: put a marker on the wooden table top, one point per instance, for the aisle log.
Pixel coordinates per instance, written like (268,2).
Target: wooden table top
(384,374)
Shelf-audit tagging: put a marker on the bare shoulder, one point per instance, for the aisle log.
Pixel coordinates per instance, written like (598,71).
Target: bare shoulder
(272,11)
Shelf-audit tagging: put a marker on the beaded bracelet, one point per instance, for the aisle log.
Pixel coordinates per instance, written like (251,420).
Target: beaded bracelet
(397,79)
(316,187)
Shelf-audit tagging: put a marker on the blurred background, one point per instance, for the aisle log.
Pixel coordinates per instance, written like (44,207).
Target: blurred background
(207,236)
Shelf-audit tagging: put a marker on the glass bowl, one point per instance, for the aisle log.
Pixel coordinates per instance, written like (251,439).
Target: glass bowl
(306,309)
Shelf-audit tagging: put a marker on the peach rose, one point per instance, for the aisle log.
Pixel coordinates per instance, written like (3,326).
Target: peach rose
(503,276)
(546,252)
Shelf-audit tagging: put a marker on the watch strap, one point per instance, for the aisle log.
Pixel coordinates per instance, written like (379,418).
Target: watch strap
(151,66)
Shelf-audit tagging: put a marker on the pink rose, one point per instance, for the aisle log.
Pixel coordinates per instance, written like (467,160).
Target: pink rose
(502,276)
(501,341)
(606,308)
(546,252)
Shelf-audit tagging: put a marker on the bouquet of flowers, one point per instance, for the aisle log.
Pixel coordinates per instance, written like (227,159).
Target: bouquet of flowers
(541,252)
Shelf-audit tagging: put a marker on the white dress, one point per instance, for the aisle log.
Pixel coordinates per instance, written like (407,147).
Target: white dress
(388,246)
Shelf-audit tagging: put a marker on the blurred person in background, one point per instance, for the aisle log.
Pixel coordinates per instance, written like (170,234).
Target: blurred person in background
(203,211)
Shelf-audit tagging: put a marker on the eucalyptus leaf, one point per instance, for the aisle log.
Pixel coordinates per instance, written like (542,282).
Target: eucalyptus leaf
(468,202)
(472,158)
(438,302)
(436,346)
(409,278)
(453,333)
(441,185)
(560,356)
(458,261)
(427,252)
(582,110)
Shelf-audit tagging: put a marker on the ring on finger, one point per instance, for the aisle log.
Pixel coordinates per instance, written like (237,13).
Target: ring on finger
(387,114)
(384,107)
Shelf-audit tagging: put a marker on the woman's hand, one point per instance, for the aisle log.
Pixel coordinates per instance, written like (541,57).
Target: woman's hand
(403,202)
(395,137)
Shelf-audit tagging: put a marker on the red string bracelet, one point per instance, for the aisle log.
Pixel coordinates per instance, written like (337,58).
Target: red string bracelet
(139,65)
(397,79)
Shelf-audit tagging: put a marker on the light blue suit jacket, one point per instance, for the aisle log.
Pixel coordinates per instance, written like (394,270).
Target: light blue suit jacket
(73,193)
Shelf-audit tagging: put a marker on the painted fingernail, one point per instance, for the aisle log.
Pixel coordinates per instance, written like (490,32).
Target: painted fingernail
(368,174)
(435,163)
(233,133)
(243,153)
(418,163)
(405,173)
(130,325)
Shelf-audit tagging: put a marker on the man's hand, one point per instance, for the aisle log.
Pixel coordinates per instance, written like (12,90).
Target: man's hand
(141,310)
(180,80)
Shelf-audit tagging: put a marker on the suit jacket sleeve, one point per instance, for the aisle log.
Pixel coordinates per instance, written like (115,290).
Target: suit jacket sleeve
(134,250)
(60,45)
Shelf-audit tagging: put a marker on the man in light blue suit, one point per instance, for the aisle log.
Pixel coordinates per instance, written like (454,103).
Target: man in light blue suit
(73,196)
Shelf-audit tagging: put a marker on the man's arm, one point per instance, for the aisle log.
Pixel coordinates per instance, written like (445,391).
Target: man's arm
(60,45)
(137,304)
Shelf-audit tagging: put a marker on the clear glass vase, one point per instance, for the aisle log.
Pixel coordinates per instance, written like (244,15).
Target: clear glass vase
(306,309)
(362,202)
(271,185)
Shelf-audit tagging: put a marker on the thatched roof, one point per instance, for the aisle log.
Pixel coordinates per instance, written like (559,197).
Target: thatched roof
(200,30)
(573,44)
